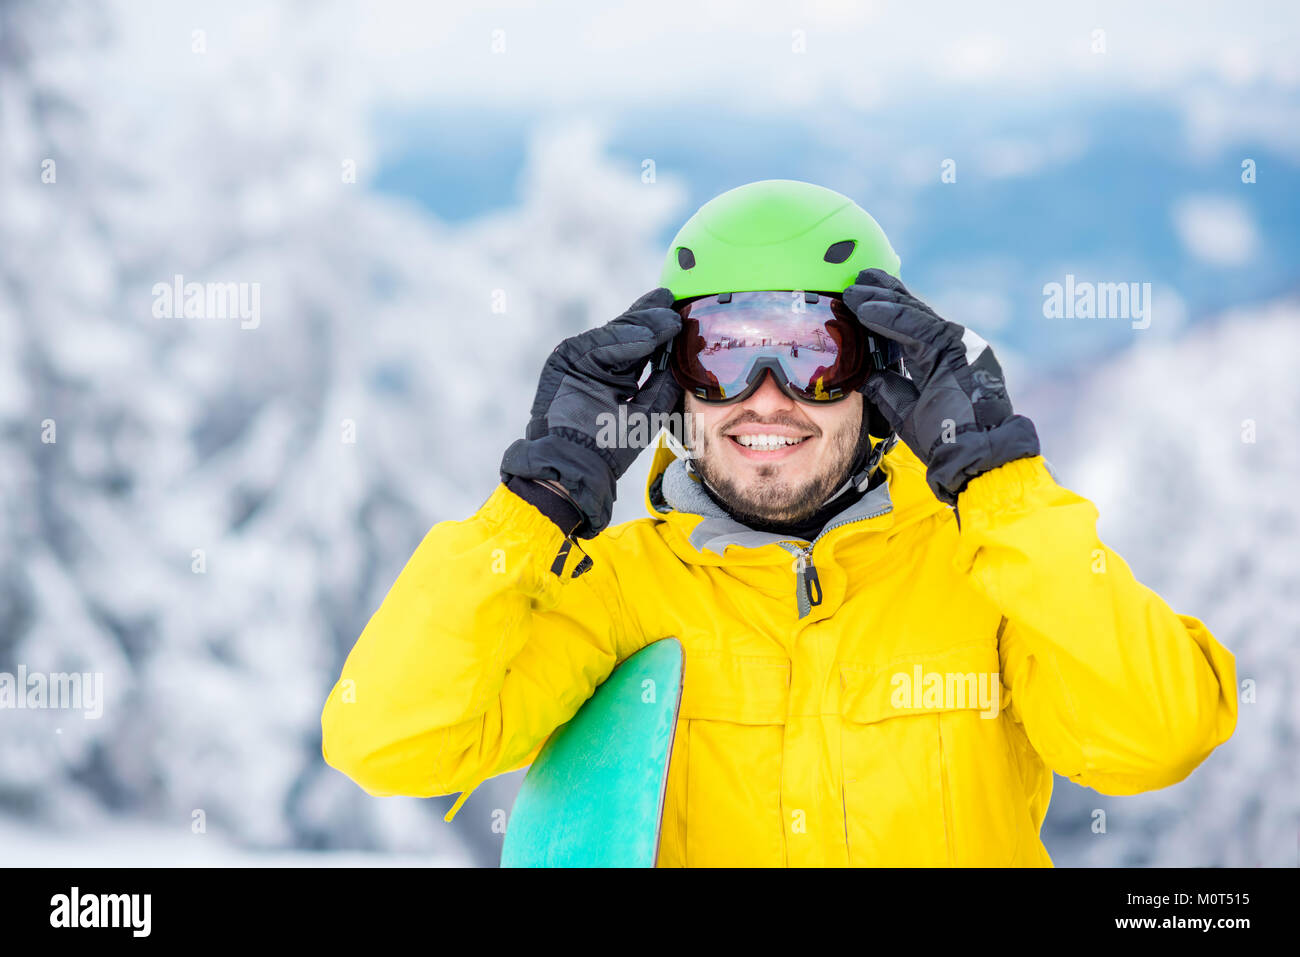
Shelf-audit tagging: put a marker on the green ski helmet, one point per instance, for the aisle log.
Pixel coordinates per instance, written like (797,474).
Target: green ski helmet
(775,234)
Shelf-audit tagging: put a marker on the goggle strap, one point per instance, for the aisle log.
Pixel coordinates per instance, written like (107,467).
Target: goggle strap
(665,353)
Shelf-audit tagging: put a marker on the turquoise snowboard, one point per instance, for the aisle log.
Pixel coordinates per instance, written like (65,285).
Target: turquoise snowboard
(595,795)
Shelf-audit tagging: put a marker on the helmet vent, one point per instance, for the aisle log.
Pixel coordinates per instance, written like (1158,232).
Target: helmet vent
(686,258)
(839,252)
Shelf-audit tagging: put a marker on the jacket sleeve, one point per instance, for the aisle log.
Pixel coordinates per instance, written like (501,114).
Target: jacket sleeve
(1115,691)
(478,652)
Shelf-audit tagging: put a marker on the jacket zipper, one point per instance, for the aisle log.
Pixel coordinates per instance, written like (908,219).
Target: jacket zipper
(808,586)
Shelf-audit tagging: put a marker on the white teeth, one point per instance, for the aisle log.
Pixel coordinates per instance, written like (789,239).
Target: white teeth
(766,442)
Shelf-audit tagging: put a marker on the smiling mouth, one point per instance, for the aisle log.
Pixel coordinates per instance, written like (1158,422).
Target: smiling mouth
(766,442)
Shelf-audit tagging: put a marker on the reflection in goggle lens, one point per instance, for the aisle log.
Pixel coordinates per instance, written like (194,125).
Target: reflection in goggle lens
(727,341)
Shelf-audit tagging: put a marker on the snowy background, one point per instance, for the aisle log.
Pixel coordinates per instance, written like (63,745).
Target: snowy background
(541,156)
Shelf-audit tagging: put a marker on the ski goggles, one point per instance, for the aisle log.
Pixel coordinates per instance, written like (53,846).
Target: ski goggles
(811,342)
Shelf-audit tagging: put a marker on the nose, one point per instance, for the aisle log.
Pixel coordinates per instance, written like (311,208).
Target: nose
(768,398)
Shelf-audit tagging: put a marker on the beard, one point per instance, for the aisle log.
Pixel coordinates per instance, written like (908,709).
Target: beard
(769,498)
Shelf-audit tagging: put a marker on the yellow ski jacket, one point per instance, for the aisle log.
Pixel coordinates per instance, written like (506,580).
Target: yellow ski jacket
(896,693)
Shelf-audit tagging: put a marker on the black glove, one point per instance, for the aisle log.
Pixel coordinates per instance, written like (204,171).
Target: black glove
(954,412)
(586,376)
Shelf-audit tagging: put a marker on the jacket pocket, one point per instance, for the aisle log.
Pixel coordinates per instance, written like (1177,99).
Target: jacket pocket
(928,773)
(741,689)
(735,709)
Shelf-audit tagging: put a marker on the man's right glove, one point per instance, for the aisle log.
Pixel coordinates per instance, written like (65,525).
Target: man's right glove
(586,377)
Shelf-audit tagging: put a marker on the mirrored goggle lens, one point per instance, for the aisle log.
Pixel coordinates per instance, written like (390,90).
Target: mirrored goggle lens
(727,341)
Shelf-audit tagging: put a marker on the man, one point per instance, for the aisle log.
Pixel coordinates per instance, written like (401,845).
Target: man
(889,645)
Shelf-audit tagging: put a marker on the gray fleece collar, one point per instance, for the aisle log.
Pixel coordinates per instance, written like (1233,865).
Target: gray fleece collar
(682,491)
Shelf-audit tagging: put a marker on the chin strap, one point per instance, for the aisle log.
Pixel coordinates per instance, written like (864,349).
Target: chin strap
(862,476)
(878,453)
(675,446)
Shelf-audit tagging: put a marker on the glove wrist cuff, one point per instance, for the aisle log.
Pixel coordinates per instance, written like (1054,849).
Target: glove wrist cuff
(550,501)
(953,466)
(581,471)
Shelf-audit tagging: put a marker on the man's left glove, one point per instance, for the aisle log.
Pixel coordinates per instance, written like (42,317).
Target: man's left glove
(953,412)
(587,377)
